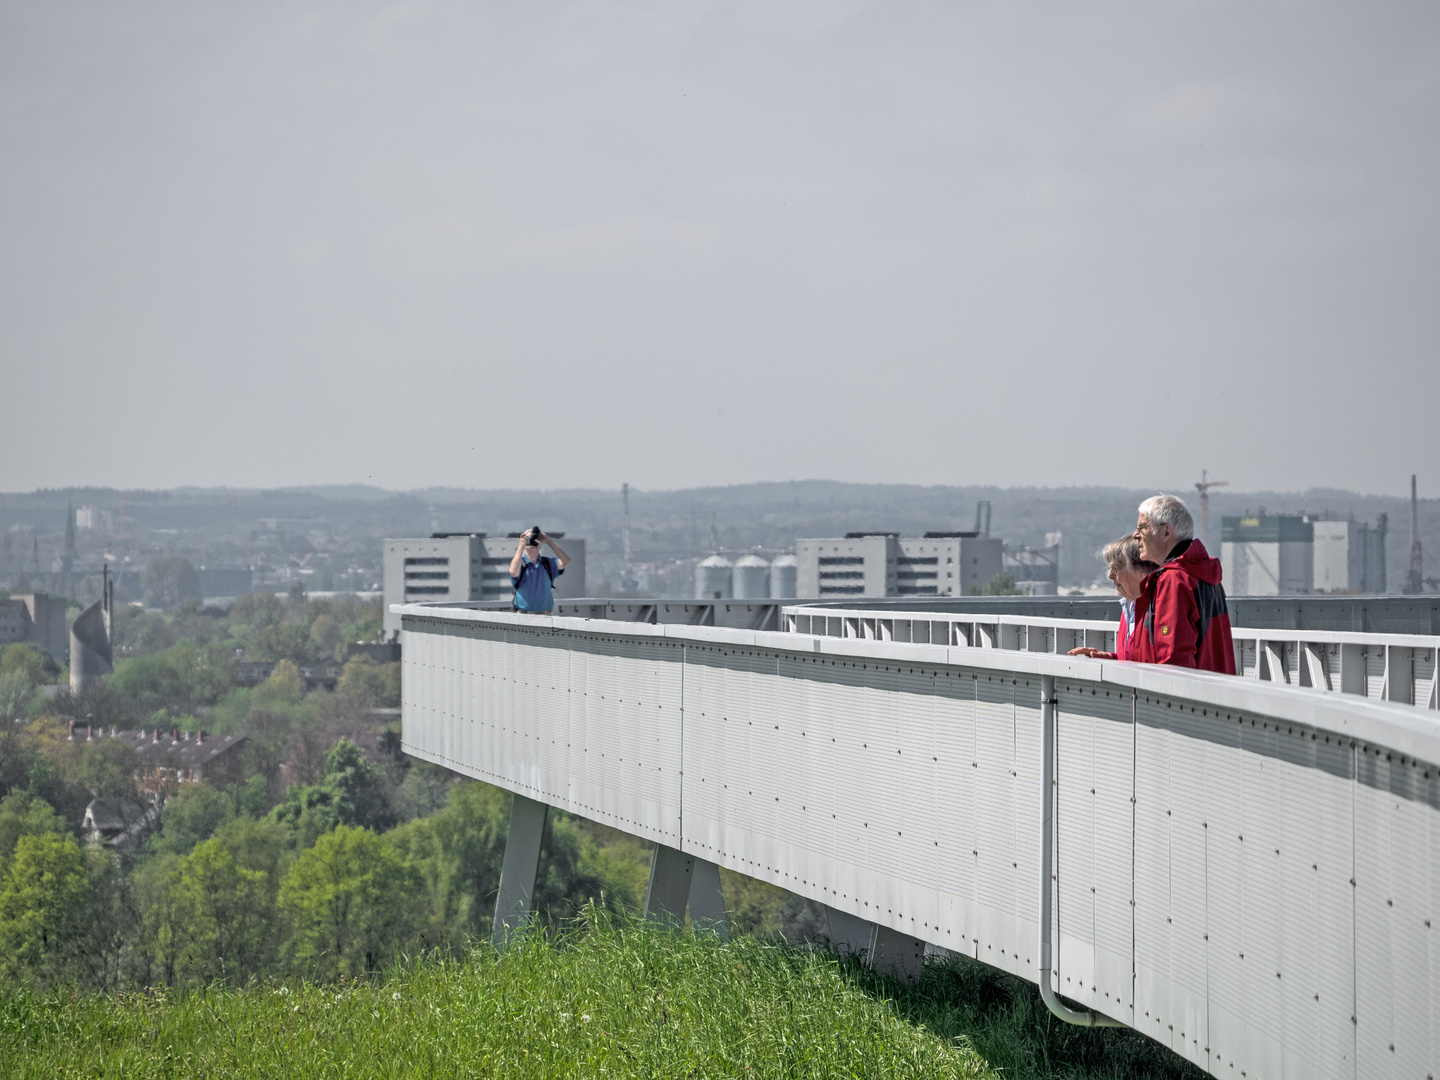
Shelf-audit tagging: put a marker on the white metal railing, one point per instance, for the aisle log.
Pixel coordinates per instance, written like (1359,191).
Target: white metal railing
(1384,667)
(1245,873)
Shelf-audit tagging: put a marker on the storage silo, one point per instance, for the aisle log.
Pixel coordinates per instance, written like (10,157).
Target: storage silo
(712,578)
(782,577)
(752,578)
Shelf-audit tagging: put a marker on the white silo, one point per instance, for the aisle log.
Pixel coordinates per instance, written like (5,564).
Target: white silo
(782,577)
(752,578)
(712,578)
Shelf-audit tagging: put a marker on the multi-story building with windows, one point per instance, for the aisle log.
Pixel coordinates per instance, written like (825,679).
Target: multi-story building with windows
(39,619)
(463,566)
(887,564)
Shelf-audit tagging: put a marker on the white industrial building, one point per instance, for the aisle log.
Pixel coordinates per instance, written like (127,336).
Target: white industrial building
(1268,556)
(464,566)
(1349,556)
(887,564)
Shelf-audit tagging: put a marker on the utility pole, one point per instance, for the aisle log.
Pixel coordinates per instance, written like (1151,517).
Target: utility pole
(67,561)
(1415,576)
(1204,487)
(628,581)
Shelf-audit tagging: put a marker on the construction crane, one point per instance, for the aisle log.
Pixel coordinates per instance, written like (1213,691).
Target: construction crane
(1204,487)
(1415,576)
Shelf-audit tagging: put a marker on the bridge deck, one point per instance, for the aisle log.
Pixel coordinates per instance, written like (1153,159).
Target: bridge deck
(1245,872)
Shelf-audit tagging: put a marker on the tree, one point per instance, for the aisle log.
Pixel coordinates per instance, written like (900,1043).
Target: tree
(369,683)
(180,679)
(346,903)
(22,814)
(1001,585)
(223,913)
(25,656)
(168,582)
(283,687)
(46,930)
(108,767)
(281,641)
(257,609)
(325,634)
(360,793)
(191,817)
(351,791)
(307,814)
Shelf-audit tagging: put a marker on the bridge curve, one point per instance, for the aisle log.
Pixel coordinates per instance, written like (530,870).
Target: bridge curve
(1243,871)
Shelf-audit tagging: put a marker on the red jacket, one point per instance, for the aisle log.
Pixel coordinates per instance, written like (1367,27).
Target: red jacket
(1181,617)
(1124,635)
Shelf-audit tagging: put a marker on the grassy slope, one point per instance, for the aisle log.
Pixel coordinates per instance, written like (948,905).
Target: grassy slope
(613,1000)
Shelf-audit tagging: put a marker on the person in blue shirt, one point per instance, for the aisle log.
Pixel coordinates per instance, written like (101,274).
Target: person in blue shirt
(533,575)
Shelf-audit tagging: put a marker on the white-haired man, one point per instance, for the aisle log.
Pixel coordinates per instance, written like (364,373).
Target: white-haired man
(1181,617)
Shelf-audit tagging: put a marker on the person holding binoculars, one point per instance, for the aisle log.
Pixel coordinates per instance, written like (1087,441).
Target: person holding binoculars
(533,575)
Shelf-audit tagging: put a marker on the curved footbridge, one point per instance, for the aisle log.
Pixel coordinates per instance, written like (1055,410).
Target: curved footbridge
(1243,870)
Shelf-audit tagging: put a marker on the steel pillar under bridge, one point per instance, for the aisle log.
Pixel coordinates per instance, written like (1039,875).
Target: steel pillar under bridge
(1247,872)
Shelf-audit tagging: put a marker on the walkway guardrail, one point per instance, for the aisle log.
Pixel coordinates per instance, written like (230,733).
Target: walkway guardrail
(1384,667)
(1247,874)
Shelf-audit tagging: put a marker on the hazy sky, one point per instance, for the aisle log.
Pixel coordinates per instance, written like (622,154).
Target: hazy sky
(570,244)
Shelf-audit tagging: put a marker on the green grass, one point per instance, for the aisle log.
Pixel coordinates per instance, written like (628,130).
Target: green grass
(606,998)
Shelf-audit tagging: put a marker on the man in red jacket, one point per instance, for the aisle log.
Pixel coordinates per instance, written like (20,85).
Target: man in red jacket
(1181,617)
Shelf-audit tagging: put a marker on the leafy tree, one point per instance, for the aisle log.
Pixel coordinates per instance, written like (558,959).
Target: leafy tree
(346,903)
(457,854)
(257,609)
(37,664)
(307,814)
(283,641)
(325,634)
(22,814)
(223,915)
(1001,585)
(373,684)
(46,929)
(251,796)
(256,845)
(267,731)
(157,942)
(107,768)
(168,582)
(17,757)
(191,817)
(16,690)
(283,687)
(351,791)
(179,679)
(360,793)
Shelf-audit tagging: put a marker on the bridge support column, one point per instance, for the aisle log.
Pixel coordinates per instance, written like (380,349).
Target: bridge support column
(517,873)
(678,880)
(882,949)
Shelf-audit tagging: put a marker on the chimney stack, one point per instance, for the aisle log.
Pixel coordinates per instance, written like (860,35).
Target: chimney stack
(70,731)
(174,734)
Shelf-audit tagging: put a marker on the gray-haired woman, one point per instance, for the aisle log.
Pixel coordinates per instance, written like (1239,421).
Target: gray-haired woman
(1128,571)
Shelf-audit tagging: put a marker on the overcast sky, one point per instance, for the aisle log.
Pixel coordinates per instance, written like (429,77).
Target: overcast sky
(570,244)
